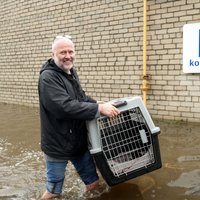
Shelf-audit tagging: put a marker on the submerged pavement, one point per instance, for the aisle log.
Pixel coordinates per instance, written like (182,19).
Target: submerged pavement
(22,167)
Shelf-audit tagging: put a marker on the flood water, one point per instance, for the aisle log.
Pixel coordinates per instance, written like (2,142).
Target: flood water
(22,167)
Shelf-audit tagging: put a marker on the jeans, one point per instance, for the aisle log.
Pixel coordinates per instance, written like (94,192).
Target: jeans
(55,171)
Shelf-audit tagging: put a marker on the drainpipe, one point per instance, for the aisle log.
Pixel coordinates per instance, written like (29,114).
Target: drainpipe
(145,76)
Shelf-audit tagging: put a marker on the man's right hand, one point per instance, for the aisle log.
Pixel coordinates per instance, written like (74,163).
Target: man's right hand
(108,110)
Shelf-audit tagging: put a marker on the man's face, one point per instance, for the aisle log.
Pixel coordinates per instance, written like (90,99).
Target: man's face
(64,55)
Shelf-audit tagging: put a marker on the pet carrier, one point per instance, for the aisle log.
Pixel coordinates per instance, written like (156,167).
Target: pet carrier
(125,146)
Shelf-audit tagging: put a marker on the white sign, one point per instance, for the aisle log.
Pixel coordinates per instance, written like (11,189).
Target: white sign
(191,48)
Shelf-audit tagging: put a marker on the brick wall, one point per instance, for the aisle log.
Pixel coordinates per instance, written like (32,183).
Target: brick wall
(108,35)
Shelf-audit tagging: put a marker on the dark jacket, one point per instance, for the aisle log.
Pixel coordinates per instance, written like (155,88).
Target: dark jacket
(64,108)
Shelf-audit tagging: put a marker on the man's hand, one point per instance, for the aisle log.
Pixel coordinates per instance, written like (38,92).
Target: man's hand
(108,109)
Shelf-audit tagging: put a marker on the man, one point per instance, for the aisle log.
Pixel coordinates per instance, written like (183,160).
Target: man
(64,108)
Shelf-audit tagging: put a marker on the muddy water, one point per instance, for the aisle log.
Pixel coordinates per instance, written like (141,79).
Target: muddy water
(22,168)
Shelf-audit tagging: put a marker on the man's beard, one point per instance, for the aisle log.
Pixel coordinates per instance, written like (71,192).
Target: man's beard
(61,66)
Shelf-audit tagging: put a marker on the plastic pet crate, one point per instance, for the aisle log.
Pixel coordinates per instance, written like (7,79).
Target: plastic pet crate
(125,146)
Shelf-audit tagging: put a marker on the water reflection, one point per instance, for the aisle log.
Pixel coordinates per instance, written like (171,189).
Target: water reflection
(126,190)
(189,180)
(22,167)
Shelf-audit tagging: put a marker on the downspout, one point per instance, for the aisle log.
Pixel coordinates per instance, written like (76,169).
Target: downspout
(145,76)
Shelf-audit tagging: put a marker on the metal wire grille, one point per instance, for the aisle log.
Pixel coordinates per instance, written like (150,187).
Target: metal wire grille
(126,141)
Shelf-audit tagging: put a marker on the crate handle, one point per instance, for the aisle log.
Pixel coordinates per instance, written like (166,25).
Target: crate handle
(118,104)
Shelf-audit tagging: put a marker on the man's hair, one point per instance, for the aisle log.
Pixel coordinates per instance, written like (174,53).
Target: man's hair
(60,37)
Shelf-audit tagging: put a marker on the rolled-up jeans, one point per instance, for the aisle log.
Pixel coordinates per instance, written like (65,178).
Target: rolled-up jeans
(55,171)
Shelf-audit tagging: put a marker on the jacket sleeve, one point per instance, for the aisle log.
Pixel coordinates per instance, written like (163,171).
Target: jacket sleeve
(57,101)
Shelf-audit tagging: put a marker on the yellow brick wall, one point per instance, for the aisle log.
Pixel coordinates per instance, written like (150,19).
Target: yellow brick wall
(108,35)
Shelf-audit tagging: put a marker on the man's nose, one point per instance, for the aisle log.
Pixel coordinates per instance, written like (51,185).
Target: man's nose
(67,55)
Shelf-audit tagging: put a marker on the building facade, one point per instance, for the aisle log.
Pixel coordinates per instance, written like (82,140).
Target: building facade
(108,35)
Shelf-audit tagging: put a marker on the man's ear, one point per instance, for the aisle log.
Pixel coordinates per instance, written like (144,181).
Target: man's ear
(52,54)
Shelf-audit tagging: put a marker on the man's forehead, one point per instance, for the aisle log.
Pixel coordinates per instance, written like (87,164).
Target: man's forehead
(63,43)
